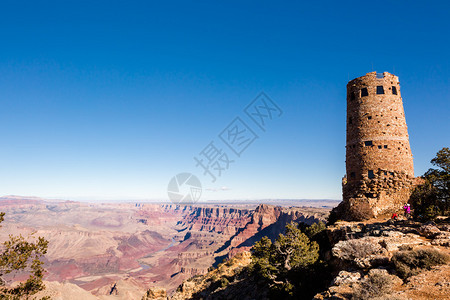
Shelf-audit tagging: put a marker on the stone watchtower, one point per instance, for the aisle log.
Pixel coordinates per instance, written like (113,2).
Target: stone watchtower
(379,163)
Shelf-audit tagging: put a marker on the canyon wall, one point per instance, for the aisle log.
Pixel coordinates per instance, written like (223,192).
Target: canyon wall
(98,245)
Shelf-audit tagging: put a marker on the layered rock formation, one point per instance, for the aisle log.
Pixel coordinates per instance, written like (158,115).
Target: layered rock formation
(358,253)
(207,235)
(133,246)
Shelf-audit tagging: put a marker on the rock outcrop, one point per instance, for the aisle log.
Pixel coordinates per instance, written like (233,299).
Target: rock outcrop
(360,250)
(198,286)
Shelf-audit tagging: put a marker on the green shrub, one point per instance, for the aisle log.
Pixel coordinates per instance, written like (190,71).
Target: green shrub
(432,198)
(424,200)
(292,250)
(314,229)
(224,282)
(410,263)
(228,262)
(290,266)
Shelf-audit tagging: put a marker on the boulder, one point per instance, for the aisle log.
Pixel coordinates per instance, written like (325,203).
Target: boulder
(345,277)
(429,230)
(442,239)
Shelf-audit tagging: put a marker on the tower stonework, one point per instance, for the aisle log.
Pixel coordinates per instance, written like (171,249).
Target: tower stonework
(379,165)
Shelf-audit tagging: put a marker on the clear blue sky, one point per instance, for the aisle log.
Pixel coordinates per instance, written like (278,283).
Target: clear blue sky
(110,99)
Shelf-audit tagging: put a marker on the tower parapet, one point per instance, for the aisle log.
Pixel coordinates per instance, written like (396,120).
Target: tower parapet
(379,164)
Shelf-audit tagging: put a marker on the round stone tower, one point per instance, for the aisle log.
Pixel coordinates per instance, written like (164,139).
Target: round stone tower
(379,163)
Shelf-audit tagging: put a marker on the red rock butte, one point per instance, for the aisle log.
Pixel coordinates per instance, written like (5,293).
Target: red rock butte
(379,163)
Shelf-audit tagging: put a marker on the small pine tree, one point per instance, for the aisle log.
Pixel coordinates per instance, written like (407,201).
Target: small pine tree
(282,262)
(18,255)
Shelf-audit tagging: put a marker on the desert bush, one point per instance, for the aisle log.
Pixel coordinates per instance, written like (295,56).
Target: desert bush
(432,198)
(410,263)
(375,285)
(228,262)
(224,282)
(406,247)
(213,277)
(356,249)
(220,282)
(155,293)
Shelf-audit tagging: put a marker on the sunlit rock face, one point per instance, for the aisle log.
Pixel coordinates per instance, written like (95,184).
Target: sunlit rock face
(135,245)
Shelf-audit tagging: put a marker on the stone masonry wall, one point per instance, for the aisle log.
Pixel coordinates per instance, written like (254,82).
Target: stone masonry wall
(379,163)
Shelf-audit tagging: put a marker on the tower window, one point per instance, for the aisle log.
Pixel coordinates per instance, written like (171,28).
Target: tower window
(368,143)
(352,96)
(369,117)
(364,92)
(370,174)
(350,120)
(380,90)
(379,147)
(385,146)
(394,90)
(352,175)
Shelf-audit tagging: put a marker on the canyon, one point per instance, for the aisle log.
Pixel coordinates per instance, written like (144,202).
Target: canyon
(119,250)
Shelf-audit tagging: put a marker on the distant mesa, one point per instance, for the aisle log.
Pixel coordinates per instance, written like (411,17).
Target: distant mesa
(14,200)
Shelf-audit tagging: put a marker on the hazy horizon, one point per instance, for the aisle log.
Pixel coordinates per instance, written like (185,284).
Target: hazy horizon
(166,201)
